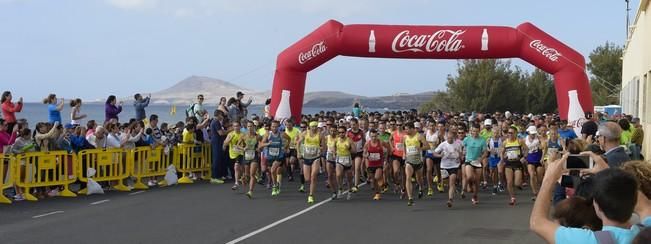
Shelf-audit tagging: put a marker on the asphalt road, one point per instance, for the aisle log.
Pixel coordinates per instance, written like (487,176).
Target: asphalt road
(204,213)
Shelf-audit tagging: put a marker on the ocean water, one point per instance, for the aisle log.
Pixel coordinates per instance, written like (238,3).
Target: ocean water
(36,112)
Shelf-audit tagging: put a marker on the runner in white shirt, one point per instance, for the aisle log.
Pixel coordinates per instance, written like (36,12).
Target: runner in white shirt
(450,152)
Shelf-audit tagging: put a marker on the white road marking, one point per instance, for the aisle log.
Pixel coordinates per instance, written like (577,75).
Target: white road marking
(47,214)
(258,231)
(135,193)
(100,202)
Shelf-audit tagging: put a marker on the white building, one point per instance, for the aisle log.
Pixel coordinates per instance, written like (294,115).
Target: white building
(636,73)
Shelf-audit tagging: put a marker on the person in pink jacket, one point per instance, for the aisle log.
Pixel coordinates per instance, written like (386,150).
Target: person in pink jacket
(10,109)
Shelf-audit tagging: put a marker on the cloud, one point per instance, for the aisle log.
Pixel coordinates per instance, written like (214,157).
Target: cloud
(134,4)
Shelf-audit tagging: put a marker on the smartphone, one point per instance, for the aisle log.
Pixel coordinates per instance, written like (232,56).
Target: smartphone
(567,181)
(576,161)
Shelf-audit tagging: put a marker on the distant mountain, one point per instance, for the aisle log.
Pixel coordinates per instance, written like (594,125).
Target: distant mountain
(186,91)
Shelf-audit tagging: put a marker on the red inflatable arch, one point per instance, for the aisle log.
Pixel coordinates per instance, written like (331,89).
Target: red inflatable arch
(431,42)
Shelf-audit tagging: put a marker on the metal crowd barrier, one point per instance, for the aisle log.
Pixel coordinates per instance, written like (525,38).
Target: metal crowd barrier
(111,165)
(44,169)
(148,162)
(5,176)
(193,159)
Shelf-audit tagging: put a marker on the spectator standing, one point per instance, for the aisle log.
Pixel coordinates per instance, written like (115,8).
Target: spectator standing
(140,104)
(243,107)
(609,139)
(637,139)
(111,111)
(10,109)
(53,108)
(75,115)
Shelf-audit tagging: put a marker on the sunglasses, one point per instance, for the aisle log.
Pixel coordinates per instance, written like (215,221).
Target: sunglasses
(303,127)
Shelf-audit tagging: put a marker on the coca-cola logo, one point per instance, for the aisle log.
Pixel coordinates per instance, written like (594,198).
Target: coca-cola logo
(316,50)
(550,53)
(439,41)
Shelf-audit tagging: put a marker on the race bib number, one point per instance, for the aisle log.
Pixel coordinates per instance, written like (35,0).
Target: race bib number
(412,150)
(311,151)
(343,160)
(330,156)
(374,156)
(249,155)
(359,146)
(511,155)
(237,149)
(400,146)
(274,152)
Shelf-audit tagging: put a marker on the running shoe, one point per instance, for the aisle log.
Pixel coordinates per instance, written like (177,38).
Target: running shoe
(301,188)
(216,181)
(377,197)
(349,196)
(310,199)
(449,203)
(533,198)
(430,192)
(403,194)
(334,196)
(463,195)
(249,194)
(439,186)
(420,194)
(410,202)
(385,189)
(512,202)
(436,179)
(235,187)
(484,185)
(475,201)
(274,191)
(291,178)
(494,190)
(500,188)
(19,197)
(354,189)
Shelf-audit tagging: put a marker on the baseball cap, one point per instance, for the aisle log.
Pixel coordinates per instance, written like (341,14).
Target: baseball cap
(532,130)
(416,124)
(240,93)
(488,122)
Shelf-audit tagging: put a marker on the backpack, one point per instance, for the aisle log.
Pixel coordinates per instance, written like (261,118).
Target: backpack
(606,237)
(189,112)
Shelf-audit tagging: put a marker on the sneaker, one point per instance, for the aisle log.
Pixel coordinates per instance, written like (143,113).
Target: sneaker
(385,189)
(430,192)
(229,177)
(268,186)
(463,195)
(249,194)
(301,188)
(235,187)
(53,193)
(19,197)
(449,203)
(291,178)
(440,187)
(403,194)
(436,179)
(151,183)
(500,188)
(274,191)
(475,201)
(334,196)
(512,202)
(494,190)
(340,193)
(484,185)
(377,197)
(533,199)
(410,202)
(216,181)
(310,199)
(420,194)
(349,196)
(354,189)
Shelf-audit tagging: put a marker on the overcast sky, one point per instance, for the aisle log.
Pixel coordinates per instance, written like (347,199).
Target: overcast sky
(93,48)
